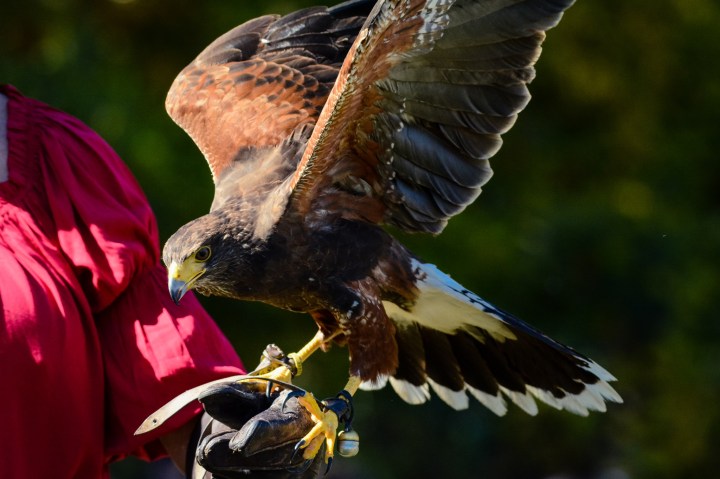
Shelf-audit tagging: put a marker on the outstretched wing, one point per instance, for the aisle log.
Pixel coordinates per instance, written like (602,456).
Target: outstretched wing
(260,82)
(418,109)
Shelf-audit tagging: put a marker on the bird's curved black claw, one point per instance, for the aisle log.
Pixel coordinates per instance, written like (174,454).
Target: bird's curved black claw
(300,444)
(301,469)
(292,394)
(329,463)
(268,390)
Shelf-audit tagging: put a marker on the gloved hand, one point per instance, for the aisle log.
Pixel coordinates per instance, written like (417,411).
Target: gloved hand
(246,433)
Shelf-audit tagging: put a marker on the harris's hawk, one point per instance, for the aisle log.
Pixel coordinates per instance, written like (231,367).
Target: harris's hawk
(324,125)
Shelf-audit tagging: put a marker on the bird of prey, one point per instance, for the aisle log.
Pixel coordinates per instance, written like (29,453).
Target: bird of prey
(325,125)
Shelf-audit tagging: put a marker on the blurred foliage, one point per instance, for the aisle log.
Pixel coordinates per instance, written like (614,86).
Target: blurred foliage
(601,227)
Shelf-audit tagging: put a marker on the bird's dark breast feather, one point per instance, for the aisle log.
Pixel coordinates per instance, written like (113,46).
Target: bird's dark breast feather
(301,266)
(339,271)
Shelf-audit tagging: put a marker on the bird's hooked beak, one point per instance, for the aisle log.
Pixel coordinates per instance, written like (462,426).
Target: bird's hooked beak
(181,278)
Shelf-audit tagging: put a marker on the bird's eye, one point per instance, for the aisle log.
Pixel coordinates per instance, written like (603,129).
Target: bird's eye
(203,254)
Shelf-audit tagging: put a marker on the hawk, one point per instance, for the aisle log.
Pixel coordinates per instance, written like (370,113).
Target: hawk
(324,125)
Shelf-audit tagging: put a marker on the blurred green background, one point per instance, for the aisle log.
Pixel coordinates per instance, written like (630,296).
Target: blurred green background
(601,226)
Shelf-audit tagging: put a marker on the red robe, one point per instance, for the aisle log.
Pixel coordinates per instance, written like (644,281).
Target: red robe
(90,341)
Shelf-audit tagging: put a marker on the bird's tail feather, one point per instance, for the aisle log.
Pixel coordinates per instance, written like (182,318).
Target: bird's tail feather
(453,342)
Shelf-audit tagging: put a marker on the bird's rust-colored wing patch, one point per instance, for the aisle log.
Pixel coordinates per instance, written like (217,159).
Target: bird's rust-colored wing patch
(418,109)
(257,84)
(226,109)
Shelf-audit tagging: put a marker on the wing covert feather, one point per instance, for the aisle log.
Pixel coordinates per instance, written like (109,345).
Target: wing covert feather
(262,81)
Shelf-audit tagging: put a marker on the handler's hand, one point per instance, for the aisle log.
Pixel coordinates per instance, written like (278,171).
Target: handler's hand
(246,434)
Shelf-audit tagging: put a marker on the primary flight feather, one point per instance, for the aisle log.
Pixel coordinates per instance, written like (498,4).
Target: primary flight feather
(323,125)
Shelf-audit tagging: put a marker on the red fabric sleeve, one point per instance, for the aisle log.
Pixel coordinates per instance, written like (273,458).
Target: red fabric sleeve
(153,350)
(50,362)
(103,239)
(103,222)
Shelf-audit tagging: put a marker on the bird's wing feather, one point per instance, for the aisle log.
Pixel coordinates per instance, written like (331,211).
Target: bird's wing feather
(418,109)
(255,86)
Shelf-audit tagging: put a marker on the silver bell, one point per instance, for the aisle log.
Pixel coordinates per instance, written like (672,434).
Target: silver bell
(348,443)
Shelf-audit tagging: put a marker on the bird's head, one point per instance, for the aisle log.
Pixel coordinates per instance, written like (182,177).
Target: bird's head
(203,255)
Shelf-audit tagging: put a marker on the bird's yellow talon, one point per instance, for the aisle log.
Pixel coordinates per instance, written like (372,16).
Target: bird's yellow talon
(313,448)
(326,426)
(269,381)
(309,402)
(277,366)
(280,373)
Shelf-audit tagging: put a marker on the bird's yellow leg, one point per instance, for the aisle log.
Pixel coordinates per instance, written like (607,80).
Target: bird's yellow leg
(277,369)
(326,422)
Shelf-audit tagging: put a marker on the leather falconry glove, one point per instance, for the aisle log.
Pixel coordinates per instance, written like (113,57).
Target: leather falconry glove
(248,434)
(250,427)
